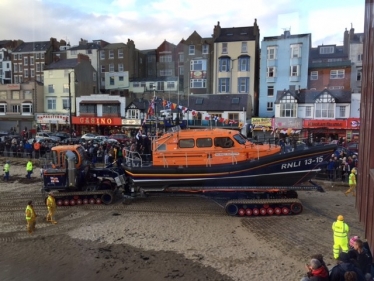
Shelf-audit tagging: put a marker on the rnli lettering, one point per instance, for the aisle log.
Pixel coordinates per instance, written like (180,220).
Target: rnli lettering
(309,161)
(96,121)
(291,165)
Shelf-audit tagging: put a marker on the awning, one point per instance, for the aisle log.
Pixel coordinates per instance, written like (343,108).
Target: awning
(100,101)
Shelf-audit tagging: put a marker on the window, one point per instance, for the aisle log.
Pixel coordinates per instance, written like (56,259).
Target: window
(42,66)
(295,51)
(120,78)
(270,106)
(244,47)
(94,76)
(15,95)
(181,58)
(197,65)
(204,142)
(294,70)
(224,64)
(359,75)
(342,111)
(314,75)
(111,67)
(15,67)
(27,108)
(111,54)
(20,79)
(27,95)
(42,78)
(120,67)
(271,72)
(359,57)
(191,49)
(308,111)
(25,60)
(51,104)
(170,85)
(19,57)
(16,108)
(325,106)
(224,48)
(2,107)
(37,56)
(38,78)
(90,108)
(16,79)
(65,88)
(198,83)
(166,72)
(3,95)
(42,56)
(233,116)
(223,85)
(120,53)
(38,67)
(288,106)
(270,91)
(51,89)
(102,81)
(199,101)
(20,68)
(243,64)
(336,87)
(111,80)
(65,103)
(32,72)
(235,100)
(181,70)
(73,52)
(272,53)
(132,113)
(205,49)
(243,84)
(102,55)
(186,143)
(337,74)
(31,60)
(326,50)
(165,58)
(102,68)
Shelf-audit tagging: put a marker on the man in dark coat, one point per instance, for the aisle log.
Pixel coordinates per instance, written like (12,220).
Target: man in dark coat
(344,265)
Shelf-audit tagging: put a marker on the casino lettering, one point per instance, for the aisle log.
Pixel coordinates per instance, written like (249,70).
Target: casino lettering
(95,121)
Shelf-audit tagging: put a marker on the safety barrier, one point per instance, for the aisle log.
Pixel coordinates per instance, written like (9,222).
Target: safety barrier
(25,154)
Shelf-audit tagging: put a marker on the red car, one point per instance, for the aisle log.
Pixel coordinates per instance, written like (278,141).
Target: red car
(121,138)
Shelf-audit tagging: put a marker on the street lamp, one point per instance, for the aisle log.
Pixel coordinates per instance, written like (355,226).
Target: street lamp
(70,104)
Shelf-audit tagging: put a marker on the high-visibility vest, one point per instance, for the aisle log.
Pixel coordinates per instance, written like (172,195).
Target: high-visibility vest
(29,212)
(29,166)
(6,167)
(352,178)
(340,229)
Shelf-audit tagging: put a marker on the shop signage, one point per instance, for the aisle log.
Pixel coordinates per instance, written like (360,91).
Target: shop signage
(266,122)
(286,123)
(353,123)
(52,118)
(131,122)
(13,86)
(101,121)
(198,74)
(329,124)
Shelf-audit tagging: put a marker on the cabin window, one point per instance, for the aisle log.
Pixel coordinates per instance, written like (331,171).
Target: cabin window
(187,143)
(224,142)
(205,142)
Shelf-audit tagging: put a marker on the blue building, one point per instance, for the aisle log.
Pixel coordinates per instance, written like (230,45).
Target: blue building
(284,65)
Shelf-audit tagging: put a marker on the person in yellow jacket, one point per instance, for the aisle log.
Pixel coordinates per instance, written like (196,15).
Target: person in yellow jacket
(30,217)
(6,170)
(352,183)
(51,206)
(340,230)
(29,169)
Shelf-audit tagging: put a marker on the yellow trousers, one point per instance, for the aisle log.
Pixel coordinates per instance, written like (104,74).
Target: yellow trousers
(51,214)
(31,225)
(340,244)
(352,188)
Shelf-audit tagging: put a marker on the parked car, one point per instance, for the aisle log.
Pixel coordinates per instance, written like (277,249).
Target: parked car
(103,139)
(121,138)
(88,136)
(62,135)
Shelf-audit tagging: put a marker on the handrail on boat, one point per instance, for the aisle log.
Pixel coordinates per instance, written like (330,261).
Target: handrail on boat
(133,157)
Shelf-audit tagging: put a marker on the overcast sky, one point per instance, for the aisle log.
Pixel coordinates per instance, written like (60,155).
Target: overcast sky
(149,23)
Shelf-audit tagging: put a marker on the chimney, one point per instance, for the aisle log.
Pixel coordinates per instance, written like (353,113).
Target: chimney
(216,31)
(286,33)
(351,33)
(346,42)
(82,57)
(256,31)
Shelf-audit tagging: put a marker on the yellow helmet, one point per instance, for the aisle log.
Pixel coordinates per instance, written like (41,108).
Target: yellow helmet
(340,218)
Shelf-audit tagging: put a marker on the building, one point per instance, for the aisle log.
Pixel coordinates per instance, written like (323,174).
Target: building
(236,63)
(30,58)
(64,81)
(5,66)
(18,103)
(284,65)
(198,65)
(150,63)
(330,68)
(355,43)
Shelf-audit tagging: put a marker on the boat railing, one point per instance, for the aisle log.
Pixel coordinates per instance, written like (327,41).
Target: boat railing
(133,158)
(234,160)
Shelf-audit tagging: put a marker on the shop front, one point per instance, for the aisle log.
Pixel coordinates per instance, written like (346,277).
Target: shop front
(353,129)
(131,126)
(288,127)
(52,122)
(98,125)
(324,130)
(262,128)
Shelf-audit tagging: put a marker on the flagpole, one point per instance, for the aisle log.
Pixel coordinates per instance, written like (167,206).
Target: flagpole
(154,102)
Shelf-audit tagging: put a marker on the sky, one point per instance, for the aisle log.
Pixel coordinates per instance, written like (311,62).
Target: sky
(149,22)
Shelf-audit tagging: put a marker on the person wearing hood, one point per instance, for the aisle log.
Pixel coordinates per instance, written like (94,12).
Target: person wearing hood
(344,265)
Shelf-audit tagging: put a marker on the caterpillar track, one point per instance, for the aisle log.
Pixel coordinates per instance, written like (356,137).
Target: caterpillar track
(105,197)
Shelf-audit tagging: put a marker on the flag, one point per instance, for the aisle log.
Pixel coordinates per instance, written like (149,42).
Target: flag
(207,117)
(184,109)
(194,112)
(151,108)
(173,106)
(164,103)
(216,118)
(168,104)
(221,120)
